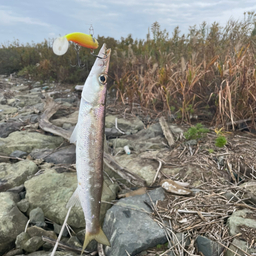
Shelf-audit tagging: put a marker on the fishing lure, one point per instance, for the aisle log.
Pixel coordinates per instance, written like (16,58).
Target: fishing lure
(60,45)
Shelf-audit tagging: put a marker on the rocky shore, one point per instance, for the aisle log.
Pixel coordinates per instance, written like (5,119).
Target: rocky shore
(139,216)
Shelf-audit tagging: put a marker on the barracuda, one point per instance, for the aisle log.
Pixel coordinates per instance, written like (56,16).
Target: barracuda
(89,137)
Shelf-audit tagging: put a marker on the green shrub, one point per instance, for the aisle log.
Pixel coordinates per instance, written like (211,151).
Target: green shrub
(220,141)
(196,132)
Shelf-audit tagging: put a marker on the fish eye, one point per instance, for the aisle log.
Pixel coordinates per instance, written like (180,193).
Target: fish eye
(103,78)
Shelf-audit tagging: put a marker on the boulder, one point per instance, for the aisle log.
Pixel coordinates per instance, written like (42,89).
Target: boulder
(64,155)
(70,119)
(27,141)
(12,221)
(12,175)
(51,192)
(129,225)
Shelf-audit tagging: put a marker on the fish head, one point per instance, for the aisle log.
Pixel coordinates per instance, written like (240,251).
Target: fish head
(95,86)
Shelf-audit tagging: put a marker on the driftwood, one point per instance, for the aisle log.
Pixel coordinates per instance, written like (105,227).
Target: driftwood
(130,177)
(50,108)
(167,133)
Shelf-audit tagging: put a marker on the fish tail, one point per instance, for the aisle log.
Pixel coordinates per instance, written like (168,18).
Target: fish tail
(100,237)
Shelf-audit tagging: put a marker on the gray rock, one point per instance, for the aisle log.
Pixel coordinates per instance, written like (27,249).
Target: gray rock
(64,155)
(46,253)
(21,239)
(245,218)
(12,175)
(19,154)
(236,244)
(14,252)
(129,228)
(51,192)
(12,221)
(28,99)
(70,119)
(36,217)
(73,241)
(5,109)
(250,190)
(23,205)
(35,90)
(57,229)
(124,124)
(69,100)
(27,141)
(14,124)
(208,247)
(119,142)
(37,231)
(3,101)
(36,84)
(33,244)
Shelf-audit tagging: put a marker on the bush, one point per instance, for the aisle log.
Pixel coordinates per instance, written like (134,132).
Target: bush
(196,132)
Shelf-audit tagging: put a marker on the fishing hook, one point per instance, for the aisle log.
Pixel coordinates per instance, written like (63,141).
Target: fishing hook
(102,58)
(77,49)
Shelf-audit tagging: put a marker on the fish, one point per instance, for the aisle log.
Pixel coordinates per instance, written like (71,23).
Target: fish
(60,44)
(88,136)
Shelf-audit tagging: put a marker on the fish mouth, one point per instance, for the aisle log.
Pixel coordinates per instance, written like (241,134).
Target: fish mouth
(104,56)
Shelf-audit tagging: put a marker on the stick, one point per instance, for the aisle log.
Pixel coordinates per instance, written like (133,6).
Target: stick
(61,231)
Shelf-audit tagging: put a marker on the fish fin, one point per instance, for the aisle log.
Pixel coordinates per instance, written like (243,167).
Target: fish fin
(100,237)
(74,200)
(73,137)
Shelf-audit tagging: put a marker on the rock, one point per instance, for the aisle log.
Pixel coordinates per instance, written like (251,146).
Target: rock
(250,190)
(32,244)
(28,99)
(37,231)
(129,228)
(14,252)
(70,119)
(131,126)
(235,245)
(119,142)
(51,192)
(27,141)
(64,155)
(19,154)
(12,221)
(10,102)
(15,124)
(208,247)
(21,239)
(112,132)
(57,229)
(69,100)
(35,90)
(136,165)
(36,217)
(12,175)
(5,109)
(23,205)
(36,84)
(73,241)
(47,253)
(241,219)
(3,101)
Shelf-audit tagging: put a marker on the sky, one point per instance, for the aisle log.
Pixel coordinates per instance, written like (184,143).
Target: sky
(35,20)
